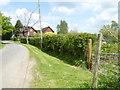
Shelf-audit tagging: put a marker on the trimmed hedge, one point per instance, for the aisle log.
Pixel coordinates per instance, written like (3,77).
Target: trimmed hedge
(74,44)
(14,38)
(23,40)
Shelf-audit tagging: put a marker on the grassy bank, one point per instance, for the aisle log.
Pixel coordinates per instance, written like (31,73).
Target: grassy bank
(51,72)
(1,45)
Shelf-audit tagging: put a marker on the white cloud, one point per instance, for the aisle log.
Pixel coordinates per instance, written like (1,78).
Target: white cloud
(50,18)
(23,13)
(105,17)
(63,10)
(97,7)
(45,24)
(4,2)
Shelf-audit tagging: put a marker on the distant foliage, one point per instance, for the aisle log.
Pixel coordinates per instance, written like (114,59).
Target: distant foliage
(62,28)
(69,44)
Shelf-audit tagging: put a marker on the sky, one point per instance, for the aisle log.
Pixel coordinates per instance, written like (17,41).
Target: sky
(81,15)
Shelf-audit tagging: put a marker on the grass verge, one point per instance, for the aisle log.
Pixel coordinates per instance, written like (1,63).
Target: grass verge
(1,45)
(51,72)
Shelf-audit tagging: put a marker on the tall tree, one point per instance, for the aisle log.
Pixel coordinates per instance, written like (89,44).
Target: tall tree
(7,28)
(18,26)
(62,28)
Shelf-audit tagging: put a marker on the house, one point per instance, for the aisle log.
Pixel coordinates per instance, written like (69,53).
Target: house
(46,30)
(30,31)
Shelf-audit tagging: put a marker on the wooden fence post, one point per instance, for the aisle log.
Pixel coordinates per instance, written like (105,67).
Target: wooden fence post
(90,54)
(95,77)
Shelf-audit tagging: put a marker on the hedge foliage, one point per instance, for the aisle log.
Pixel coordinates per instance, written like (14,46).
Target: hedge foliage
(73,44)
(14,38)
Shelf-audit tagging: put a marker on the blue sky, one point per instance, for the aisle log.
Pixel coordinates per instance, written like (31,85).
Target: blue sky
(81,15)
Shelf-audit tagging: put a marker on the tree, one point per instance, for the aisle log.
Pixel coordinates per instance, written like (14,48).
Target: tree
(110,32)
(114,25)
(7,28)
(0,25)
(18,26)
(62,28)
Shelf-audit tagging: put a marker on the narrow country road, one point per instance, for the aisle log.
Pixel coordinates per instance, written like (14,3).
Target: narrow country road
(15,61)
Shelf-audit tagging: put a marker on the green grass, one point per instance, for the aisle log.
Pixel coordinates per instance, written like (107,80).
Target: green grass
(1,45)
(51,72)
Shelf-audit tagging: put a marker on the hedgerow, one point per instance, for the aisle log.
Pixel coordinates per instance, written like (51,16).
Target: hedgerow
(23,40)
(14,38)
(70,44)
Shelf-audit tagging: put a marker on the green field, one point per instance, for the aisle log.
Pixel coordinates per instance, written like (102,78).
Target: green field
(51,72)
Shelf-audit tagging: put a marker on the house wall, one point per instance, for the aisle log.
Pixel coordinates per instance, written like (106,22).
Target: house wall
(32,32)
(48,30)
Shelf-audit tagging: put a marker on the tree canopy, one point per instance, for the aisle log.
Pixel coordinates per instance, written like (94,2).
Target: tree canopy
(7,27)
(18,26)
(110,32)
(0,24)
(62,28)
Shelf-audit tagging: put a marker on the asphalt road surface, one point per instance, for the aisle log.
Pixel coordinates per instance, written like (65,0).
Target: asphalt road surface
(14,65)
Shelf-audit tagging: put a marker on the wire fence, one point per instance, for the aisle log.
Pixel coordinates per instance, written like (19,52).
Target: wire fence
(105,66)
(108,70)
(108,63)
